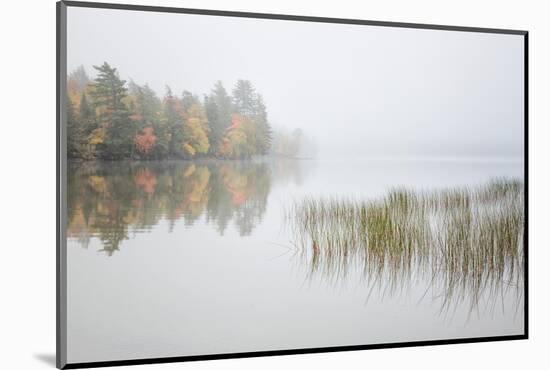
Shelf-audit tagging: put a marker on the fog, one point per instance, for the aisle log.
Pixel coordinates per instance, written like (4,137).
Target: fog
(360,91)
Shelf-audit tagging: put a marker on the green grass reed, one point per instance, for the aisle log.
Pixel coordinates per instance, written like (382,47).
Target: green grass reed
(465,241)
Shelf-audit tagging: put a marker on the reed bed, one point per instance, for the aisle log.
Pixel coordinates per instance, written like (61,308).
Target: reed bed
(464,241)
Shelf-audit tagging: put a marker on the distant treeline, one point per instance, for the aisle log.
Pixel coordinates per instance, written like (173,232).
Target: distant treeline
(110,119)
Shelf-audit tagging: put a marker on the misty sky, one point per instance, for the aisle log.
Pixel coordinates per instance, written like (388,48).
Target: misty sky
(358,90)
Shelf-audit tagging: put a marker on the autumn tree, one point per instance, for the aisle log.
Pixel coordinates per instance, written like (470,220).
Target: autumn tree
(145,141)
(145,109)
(111,120)
(238,141)
(195,132)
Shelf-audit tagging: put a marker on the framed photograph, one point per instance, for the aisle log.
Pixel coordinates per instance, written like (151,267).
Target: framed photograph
(239,184)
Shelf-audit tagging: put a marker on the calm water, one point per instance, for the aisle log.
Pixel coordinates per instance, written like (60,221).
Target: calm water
(193,258)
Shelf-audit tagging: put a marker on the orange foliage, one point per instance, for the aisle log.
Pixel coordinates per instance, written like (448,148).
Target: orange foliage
(236,121)
(236,142)
(145,141)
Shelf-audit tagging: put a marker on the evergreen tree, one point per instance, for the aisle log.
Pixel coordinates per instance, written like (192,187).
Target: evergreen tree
(146,103)
(250,104)
(172,119)
(188,99)
(79,78)
(108,93)
(107,120)
(218,111)
(264,133)
(214,135)
(85,110)
(243,98)
(88,123)
(75,137)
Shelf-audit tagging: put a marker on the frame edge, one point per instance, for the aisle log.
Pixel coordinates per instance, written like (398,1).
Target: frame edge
(61,257)
(290,17)
(526,181)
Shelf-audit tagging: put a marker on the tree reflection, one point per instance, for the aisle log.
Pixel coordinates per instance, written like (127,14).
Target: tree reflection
(110,200)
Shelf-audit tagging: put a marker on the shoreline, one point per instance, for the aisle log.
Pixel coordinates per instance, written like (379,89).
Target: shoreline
(200,159)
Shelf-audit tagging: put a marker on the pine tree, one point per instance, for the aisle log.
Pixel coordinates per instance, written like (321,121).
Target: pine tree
(146,103)
(85,110)
(188,99)
(80,78)
(243,98)
(172,119)
(264,133)
(250,104)
(88,123)
(212,114)
(75,138)
(218,111)
(108,93)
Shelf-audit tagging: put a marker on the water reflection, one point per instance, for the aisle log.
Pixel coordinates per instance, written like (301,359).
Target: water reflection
(112,200)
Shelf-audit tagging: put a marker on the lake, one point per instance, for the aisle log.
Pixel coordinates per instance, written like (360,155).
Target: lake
(181,258)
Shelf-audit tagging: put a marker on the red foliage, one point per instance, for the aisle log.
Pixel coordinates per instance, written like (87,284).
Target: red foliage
(145,141)
(236,121)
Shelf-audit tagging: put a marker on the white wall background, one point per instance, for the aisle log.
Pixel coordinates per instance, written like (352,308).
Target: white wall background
(27,183)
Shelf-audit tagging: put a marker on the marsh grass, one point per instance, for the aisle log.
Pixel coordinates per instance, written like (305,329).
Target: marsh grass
(465,241)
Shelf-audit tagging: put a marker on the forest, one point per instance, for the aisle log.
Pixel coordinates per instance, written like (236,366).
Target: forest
(110,119)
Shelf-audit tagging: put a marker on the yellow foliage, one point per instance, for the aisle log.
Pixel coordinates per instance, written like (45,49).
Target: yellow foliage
(97,136)
(73,93)
(188,149)
(195,131)
(234,143)
(97,183)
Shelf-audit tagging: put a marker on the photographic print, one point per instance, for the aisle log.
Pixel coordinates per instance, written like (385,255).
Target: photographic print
(235,184)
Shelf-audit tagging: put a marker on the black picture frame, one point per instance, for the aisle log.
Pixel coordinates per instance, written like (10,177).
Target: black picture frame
(61,171)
